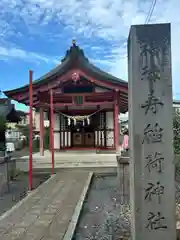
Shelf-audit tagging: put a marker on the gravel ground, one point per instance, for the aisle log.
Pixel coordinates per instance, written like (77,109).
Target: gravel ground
(21,153)
(103,217)
(18,190)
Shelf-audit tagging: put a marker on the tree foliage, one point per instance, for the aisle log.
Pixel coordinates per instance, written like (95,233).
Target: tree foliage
(176,130)
(2,123)
(2,133)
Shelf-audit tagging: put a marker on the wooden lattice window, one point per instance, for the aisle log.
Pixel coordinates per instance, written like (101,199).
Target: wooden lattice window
(63,123)
(78,99)
(101,116)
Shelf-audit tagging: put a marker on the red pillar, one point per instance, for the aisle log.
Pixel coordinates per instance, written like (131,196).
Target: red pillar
(116,124)
(30,127)
(49,129)
(52,129)
(41,132)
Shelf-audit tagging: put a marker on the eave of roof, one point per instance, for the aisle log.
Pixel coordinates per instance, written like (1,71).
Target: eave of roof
(74,58)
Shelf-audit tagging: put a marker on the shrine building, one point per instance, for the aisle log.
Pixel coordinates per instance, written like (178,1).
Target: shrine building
(86,103)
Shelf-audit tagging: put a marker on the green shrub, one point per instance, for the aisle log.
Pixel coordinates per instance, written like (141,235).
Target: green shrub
(2,133)
(176,130)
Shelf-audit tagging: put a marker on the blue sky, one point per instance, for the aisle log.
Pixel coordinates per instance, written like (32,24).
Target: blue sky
(34,34)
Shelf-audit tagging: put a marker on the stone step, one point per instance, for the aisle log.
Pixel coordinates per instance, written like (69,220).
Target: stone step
(59,161)
(73,156)
(44,166)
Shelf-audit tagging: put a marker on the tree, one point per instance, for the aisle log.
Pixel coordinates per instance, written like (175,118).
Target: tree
(176,130)
(2,134)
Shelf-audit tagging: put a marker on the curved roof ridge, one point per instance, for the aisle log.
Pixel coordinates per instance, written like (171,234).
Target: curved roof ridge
(74,58)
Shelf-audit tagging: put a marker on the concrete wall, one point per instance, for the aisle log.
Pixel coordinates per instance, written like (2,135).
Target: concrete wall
(123,177)
(3,175)
(7,171)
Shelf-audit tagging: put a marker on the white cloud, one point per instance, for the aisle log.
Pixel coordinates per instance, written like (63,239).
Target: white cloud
(15,53)
(108,20)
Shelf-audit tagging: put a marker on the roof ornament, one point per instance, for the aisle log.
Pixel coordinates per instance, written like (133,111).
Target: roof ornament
(75,76)
(74,42)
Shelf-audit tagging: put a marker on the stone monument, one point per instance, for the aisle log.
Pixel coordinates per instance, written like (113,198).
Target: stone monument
(150,123)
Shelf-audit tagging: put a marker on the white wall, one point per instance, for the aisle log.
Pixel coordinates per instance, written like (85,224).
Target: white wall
(98,136)
(176,106)
(109,135)
(56,122)
(65,136)
(36,120)
(110,125)
(56,141)
(99,89)
(56,134)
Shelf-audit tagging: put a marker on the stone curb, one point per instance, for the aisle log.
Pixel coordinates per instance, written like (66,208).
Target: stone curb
(30,194)
(72,226)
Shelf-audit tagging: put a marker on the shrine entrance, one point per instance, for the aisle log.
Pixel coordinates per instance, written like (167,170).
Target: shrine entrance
(82,136)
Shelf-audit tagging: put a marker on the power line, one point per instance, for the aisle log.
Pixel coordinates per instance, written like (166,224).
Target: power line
(151,10)
(152,3)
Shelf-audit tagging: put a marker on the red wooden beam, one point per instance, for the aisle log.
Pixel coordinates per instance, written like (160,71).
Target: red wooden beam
(44,87)
(116,124)
(41,128)
(30,128)
(94,95)
(46,105)
(56,81)
(52,128)
(70,95)
(67,99)
(61,100)
(82,111)
(103,83)
(84,104)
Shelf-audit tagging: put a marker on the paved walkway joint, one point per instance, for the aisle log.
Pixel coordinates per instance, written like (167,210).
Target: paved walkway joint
(46,213)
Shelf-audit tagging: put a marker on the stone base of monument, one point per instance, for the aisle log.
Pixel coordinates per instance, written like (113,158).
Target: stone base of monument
(123,178)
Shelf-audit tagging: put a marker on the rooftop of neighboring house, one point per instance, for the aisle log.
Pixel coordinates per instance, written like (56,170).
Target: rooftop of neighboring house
(176,102)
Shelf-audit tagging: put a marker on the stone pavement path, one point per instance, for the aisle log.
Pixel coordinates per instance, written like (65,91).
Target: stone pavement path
(46,214)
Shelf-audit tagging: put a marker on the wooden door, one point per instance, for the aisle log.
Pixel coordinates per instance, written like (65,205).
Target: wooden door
(89,139)
(77,139)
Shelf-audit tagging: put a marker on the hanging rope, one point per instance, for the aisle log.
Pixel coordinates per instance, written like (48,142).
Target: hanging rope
(79,117)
